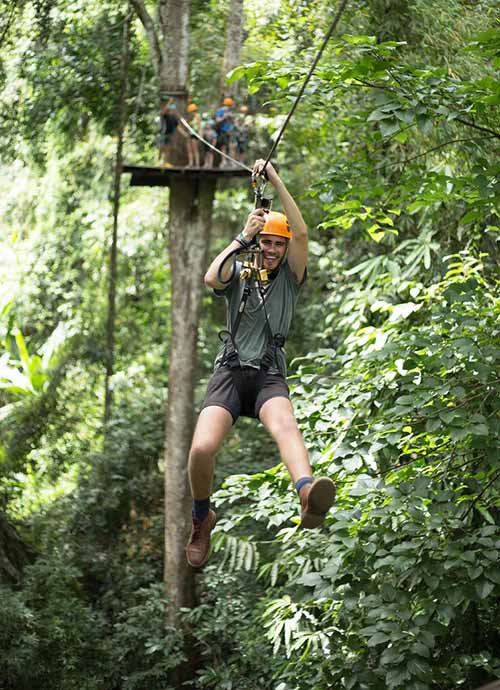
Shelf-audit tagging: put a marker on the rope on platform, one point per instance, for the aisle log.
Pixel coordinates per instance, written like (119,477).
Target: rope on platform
(187,126)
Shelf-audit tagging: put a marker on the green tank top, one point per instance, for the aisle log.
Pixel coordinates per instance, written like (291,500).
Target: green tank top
(252,336)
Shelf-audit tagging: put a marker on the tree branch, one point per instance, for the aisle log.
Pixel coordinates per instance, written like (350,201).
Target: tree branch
(162,16)
(371,85)
(8,23)
(434,148)
(467,123)
(496,475)
(479,127)
(151,33)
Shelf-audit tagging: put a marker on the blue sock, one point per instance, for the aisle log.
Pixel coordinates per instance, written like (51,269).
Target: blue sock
(201,508)
(302,482)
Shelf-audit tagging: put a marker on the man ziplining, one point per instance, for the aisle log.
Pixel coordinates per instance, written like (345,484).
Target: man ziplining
(250,369)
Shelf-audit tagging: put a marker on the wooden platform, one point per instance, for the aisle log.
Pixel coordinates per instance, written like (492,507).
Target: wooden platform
(144,176)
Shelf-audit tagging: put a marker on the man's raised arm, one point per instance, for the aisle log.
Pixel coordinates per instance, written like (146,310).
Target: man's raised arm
(297,248)
(255,223)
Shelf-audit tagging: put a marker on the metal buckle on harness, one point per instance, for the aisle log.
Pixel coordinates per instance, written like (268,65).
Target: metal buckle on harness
(246,271)
(252,270)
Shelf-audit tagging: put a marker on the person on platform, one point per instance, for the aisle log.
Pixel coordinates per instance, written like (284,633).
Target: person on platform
(225,127)
(193,149)
(244,386)
(242,126)
(209,133)
(169,121)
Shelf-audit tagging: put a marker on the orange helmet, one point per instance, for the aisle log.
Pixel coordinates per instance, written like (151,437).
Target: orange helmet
(192,107)
(244,109)
(228,101)
(276,224)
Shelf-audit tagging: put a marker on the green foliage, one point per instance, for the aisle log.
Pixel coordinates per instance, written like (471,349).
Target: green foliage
(52,636)
(67,69)
(33,377)
(102,616)
(143,650)
(393,155)
(399,112)
(49,634)
(125,471)
(223,626)
(406,419)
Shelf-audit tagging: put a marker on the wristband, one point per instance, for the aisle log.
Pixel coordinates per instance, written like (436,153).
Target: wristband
(242,240)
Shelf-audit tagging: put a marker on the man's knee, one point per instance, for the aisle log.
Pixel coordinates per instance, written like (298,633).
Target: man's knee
(282,424)
(201,452)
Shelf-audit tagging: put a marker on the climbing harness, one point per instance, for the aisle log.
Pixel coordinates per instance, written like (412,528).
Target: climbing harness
(255,277)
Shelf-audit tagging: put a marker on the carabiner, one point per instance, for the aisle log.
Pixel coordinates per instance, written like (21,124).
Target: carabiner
(259,183)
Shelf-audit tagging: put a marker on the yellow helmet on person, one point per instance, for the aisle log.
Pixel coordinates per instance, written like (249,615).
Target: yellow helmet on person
(276,224)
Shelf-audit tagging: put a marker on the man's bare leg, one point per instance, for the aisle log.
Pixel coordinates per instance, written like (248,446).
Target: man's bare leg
(277,416)
(212,427)
(209,159)
(316,497)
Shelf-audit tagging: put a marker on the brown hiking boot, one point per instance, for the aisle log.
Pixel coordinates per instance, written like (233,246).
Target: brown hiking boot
(198,548)
(316,499)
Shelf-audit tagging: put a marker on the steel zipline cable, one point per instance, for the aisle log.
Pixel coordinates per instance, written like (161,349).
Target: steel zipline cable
(332,28)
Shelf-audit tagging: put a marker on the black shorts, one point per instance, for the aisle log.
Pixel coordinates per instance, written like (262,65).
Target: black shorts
(223,139)
(244,392)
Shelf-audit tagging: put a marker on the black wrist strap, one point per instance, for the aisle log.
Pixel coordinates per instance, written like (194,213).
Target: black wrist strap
(241,240)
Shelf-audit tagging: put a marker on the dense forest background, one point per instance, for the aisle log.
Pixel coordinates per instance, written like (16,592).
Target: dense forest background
(393,156)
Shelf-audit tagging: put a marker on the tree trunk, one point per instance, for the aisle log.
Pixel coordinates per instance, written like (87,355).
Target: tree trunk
(190,226)
(234,39)
(14,553)
(122,120)
(174,24)
(191,203)
(155,50)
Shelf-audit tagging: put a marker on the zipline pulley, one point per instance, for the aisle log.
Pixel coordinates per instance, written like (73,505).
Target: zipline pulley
(259,183)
